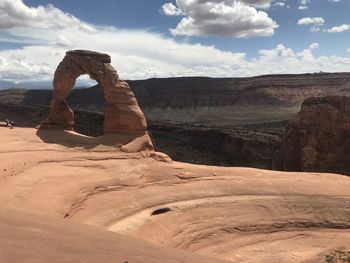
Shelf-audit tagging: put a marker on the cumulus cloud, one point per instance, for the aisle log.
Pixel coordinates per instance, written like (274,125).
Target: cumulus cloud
(285,60)
(226,18)
(311,20)
(132,50)
(135,57)
(258,3)
(171,10)
(314,46)
(339,29)
(17,68)
(303,4)
(316,22)
(14,13)
(281,4)
(62,41)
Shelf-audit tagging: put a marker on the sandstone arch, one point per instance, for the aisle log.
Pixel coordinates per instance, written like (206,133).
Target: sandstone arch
(122,113)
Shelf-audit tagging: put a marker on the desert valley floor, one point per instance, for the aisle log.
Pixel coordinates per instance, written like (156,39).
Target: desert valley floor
(61,191)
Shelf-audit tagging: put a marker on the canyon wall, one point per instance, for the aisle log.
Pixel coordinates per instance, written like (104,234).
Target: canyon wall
(317,138)
(230,122)
(209,101)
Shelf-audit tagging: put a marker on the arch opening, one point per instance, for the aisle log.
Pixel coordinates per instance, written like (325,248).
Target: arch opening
(88,103)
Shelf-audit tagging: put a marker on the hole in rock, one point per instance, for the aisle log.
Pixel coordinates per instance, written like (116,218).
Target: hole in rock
(88,103)
(160,211)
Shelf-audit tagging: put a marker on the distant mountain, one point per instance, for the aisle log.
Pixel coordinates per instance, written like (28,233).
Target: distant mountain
(208,101)
(26,85)
(33,85)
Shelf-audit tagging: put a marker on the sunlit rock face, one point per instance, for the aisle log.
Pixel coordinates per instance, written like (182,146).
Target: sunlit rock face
(318,137)
(122,113)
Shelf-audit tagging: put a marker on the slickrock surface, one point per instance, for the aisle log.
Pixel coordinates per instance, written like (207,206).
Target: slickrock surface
(237,214)
(26,237)
(318,138)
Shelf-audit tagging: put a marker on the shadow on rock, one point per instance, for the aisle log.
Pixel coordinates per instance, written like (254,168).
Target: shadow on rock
(121,141)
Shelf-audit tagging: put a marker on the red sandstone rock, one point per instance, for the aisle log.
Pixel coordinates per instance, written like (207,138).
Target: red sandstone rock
(318,138)
(240,214)
(122,113)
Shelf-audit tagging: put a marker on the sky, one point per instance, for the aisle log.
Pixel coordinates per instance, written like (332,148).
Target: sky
(172,38)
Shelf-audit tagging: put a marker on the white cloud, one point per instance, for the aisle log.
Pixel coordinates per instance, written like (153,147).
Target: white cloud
(227,18)
(134,51)
(316,22)
(285,60)
(281,4)
(311,21)
(14,13)
(258,3)
(171,10)
(315,29)
(134,54)
(62,41)
(314,46)
(303,4)
(16,68)
(339,29)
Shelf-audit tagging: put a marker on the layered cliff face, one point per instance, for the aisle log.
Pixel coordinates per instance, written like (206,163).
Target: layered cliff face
(234,101)
(223,102)
(197,120)
(317,138)
(247,146)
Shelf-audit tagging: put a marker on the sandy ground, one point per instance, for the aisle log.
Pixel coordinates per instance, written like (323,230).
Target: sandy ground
(236,214)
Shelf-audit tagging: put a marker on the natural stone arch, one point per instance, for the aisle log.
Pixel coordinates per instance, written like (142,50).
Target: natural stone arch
(122,113)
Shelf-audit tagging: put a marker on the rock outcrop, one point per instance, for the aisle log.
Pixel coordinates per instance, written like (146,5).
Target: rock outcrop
(238,214)
(317,138)
(122,112)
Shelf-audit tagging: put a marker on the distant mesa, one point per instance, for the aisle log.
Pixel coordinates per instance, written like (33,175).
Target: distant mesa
(122,112)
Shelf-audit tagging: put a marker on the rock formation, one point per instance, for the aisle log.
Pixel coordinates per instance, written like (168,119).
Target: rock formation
(122,112)
(210,101)
(317,138)
(239,214)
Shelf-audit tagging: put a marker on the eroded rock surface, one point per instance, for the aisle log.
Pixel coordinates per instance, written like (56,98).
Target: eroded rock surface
(122,112)
(317,138)
(239,214)
(42,239)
